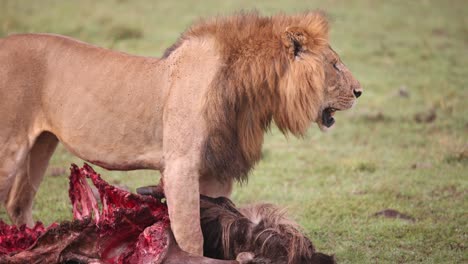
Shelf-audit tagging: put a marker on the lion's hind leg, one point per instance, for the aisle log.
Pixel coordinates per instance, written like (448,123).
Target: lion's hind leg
(26,182)
(14,154)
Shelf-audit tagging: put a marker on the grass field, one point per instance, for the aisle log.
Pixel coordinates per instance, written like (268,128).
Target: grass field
(404,147)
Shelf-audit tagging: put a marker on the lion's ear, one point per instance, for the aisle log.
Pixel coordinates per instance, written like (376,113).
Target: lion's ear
(295,40)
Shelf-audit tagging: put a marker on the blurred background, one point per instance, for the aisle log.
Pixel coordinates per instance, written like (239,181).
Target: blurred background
(389,184)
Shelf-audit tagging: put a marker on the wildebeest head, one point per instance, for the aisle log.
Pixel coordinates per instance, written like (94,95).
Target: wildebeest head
(262,231)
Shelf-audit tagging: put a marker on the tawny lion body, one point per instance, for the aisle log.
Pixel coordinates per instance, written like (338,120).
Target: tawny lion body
(198,114)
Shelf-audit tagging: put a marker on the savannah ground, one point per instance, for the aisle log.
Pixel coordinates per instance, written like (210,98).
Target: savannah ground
(403,147)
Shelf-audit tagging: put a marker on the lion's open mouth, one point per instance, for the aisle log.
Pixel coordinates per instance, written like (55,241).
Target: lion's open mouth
(327,116)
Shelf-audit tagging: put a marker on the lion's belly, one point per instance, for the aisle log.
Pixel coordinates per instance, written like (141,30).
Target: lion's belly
(111,143)
(109,112)
(111,135)
(122,158)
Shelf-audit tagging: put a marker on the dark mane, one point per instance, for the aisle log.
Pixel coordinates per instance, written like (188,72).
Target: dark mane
(172,48)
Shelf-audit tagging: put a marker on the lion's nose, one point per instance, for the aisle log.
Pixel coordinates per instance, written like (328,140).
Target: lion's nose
(357,92)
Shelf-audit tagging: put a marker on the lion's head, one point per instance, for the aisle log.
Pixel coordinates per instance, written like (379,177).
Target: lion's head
(278,68)
(316,83)
(341,89)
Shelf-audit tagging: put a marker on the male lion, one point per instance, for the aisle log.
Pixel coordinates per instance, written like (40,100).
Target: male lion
(198,114)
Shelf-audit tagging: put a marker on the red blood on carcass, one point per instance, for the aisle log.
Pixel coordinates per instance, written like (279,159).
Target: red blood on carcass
(14,239)
(129,228)
(124,216)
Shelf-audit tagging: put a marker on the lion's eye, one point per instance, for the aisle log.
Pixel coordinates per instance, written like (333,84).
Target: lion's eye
(335,65)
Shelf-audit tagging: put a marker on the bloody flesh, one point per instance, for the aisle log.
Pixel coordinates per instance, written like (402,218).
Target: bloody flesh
(128,229)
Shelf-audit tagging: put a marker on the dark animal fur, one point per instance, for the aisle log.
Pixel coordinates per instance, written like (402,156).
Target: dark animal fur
(262,229)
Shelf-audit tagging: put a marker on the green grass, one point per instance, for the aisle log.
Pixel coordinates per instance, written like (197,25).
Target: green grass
(377,156)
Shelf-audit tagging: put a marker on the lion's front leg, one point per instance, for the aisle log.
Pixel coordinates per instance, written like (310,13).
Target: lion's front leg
(181,188)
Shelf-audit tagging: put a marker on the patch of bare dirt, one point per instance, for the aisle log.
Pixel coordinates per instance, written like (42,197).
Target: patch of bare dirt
(122,32)
(450,191)
(392,213)
(428,116)
(403,92)
(421,165)
(457,157)
(376,117)
(439,32)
